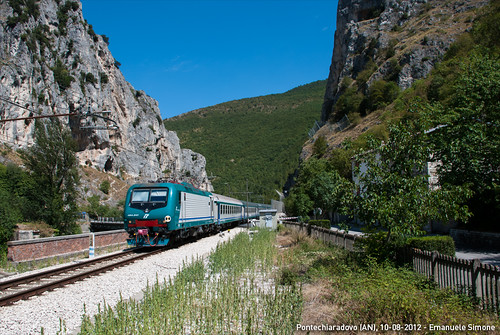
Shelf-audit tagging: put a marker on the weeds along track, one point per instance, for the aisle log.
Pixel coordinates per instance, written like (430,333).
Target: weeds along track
(35,284)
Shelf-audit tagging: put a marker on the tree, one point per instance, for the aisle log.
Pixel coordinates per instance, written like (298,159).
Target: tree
(14,184)
(468,139)
(298,203)
(319,186)
(394,192)
(320,146)
(9,217)
(53,166)
(96,209)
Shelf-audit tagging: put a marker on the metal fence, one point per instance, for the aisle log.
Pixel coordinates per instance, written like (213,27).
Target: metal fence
(342,123)
(315,128)
(106,223)
(338,126)
(470,277)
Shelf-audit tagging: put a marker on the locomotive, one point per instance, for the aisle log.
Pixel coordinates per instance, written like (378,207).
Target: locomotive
(157,213)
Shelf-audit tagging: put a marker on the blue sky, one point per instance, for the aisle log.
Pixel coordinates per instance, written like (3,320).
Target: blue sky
(197,53)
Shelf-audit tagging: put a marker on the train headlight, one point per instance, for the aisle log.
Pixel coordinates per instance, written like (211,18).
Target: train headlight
(167,218)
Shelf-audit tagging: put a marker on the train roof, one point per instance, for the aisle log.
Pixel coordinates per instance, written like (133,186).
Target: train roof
(223,198)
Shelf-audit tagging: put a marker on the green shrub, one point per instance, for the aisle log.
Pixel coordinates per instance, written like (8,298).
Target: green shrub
(61,75)
(349,102)
(381,94)
(340,161)
(62,15)
(377,246)
(23,10)
(320,223)
(442,244)
(320,146)
(363,76)
(104,78)
(104,187)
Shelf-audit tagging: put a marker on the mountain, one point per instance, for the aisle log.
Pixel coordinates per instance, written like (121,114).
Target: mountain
(256,139)
(397,41)
(52,62)
(381,50)
(431,64)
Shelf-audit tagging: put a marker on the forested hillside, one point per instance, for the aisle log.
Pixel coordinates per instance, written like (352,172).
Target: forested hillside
(256,139)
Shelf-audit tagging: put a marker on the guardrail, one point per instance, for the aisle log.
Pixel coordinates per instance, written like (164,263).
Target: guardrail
(106,224)
(470,277)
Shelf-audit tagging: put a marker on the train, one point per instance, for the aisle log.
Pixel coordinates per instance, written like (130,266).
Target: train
(158,213)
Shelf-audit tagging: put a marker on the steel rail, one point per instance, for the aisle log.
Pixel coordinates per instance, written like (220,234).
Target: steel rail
(39,275)
(8,299)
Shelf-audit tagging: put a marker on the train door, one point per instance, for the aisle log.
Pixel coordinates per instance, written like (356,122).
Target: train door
(219,208)
(212,214)
(182,202)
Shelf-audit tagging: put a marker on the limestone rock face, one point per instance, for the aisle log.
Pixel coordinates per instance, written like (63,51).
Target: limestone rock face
(52,62)
(403,39)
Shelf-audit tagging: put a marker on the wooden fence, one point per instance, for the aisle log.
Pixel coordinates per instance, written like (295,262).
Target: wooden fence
(470,277)
(338,238)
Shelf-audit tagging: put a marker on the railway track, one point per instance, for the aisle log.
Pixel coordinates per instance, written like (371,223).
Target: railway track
(35,284)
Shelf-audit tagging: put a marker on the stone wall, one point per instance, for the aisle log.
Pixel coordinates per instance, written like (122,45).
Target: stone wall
(43,248)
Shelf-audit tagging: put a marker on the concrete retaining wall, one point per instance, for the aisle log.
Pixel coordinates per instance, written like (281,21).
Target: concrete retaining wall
(476,239)
(42,248)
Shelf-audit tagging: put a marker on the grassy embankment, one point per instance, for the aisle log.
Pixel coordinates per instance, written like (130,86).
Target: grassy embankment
(250,286)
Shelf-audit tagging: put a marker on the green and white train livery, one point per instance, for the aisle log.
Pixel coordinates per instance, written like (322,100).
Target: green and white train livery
(157,213)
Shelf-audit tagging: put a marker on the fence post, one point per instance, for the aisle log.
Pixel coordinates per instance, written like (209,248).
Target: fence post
(92,245)
(434,266)
(476,279)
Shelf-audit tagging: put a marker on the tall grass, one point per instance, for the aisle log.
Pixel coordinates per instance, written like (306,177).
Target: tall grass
(362,291)
(231,292)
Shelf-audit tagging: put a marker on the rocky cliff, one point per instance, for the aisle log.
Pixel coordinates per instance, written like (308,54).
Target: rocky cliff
(52,62)
(400,41)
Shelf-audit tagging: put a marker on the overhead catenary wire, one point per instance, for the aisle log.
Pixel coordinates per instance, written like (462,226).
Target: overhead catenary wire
(37,117)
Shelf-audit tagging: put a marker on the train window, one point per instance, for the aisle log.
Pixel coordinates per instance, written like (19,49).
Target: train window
(140,195)
(147,198)
(158,196)
(146,195)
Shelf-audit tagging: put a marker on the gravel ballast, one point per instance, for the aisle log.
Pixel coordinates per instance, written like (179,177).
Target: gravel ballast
(61,310)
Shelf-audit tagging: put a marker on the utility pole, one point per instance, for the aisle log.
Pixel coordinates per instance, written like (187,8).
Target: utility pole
(246,204)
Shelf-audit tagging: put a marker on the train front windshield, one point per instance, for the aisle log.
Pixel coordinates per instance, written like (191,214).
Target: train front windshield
(149,196)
